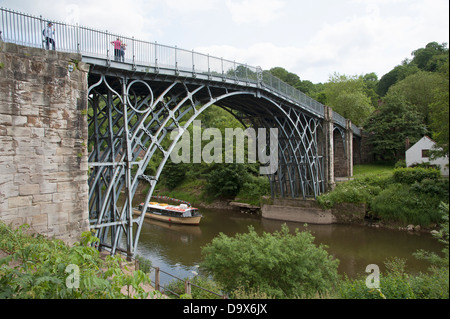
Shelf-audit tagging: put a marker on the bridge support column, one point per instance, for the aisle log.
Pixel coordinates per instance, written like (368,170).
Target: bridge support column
(349,147)
(329,148)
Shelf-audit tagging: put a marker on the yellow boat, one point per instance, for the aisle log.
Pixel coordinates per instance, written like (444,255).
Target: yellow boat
(181,214)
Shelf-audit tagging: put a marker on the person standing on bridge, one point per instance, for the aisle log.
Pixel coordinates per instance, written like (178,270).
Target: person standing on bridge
(49,34)
(123,47)
(117,48)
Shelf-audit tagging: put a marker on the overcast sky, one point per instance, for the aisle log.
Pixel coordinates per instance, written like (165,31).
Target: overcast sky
(313,39)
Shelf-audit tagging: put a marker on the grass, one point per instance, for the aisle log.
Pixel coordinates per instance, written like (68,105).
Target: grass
(364,170)
(189,190)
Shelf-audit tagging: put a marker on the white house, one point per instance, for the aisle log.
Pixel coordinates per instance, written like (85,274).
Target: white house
(420,153)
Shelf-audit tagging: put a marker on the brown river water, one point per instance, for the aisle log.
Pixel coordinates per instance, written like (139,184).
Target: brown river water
(177,248)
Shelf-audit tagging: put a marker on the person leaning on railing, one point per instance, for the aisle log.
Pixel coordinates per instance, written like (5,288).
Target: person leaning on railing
(117,49)
(49,34)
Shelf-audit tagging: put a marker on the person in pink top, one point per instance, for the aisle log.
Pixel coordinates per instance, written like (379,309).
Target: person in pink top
(117,45)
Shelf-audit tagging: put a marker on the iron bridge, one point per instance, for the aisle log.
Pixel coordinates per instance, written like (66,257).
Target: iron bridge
(137,100)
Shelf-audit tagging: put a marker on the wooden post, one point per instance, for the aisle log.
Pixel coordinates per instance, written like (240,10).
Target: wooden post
(157,286)
(187,286)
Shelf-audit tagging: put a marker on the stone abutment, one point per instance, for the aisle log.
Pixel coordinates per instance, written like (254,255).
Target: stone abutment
(43,141)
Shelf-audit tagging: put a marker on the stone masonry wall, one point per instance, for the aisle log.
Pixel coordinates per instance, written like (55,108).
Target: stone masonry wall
(340,158)
(43,138)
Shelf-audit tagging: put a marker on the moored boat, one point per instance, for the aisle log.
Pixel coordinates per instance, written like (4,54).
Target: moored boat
(181,214)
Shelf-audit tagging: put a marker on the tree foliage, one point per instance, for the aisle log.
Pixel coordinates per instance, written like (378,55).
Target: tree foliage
(439,109)
(45,269)
(347,95)
(280,264)
(418,90)
(226,180)
(397,74)
(390,125)
(432,57)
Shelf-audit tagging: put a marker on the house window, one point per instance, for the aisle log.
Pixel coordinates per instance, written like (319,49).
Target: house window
(425,153)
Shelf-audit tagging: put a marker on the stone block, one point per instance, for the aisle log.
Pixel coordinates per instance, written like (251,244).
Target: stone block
(6,119)
(7,164)
(37,132)
(29,189)
(5,178)
(19,201)
(48,188)
(63,197)
(19,120)
(29,211)
(51,209)
(18,131)
(8,146)
(45,198)
(64,187)
(37,220)
(9,189)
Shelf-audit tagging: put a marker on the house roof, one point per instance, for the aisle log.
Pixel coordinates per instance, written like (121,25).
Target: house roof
(426,136)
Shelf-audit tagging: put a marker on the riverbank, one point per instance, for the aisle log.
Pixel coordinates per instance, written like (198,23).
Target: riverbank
(377,196)
(405,198)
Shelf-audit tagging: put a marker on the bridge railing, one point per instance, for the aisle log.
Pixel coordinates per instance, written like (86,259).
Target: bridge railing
(24,29)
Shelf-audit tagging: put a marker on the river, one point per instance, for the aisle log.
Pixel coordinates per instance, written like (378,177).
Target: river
(177,249)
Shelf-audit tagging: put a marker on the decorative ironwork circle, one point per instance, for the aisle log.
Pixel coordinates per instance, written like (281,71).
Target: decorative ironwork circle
(143,102)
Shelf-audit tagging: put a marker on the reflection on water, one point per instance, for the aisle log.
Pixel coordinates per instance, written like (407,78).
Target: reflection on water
(177,248)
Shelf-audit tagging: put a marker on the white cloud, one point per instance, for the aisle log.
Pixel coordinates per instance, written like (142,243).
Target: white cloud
(191,6)
(312,39)
(255,11)
(372,41)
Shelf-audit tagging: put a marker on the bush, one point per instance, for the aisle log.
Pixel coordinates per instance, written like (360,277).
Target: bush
(43,271)
(394,285)
(279,265)
(411,175)
(173,174)
(360,190)
(400,203)
(226,180)
(253,189)
(432,286)
(417,204)
(408,196)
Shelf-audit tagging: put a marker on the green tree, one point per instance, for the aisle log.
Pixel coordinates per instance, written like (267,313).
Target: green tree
(280,265)
(439,109)
(389,126)
(285,76)
(371,82)
(431,57)
(226,180)
(418,90)
(355,106)
(173,174)
(395,75)
(347,96)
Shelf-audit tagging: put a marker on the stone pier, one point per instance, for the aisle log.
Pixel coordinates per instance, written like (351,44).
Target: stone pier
(309,211)
(43,141)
